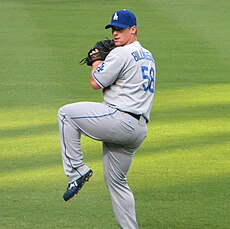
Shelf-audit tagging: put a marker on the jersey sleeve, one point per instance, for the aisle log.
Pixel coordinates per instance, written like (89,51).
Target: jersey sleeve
(108,71)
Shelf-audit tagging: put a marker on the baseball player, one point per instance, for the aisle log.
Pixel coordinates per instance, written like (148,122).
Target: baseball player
(127,79)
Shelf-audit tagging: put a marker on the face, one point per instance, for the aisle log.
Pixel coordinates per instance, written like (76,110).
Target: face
(124,36)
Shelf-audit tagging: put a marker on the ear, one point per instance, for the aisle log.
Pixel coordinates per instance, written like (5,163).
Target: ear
(133,30)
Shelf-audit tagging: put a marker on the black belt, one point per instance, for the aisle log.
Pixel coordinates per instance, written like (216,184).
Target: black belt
(135,116)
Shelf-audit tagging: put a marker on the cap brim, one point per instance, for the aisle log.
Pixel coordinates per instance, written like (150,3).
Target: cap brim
(122,26)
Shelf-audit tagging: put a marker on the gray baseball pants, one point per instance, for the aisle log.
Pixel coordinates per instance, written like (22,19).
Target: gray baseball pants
(121,135)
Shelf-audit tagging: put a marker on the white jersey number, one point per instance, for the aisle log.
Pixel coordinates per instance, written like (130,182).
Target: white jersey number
(149,75)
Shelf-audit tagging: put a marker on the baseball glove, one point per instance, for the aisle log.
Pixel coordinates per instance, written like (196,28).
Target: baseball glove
(104,47)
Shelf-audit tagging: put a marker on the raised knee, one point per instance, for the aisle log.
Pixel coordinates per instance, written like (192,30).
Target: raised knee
(60,112)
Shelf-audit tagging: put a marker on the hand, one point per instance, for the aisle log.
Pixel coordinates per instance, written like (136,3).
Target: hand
(94,51)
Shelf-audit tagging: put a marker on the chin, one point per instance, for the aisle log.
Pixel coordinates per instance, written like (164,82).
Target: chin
(117,43)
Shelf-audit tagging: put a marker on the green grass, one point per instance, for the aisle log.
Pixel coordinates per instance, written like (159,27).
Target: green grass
(181,174)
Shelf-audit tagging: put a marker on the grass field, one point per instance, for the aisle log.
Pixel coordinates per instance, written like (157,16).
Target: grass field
(181,174)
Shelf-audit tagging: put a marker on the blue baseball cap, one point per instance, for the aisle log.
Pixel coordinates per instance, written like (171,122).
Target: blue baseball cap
(122,19)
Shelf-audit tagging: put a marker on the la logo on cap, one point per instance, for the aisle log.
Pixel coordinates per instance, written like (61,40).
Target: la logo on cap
(122,19)
(115,17)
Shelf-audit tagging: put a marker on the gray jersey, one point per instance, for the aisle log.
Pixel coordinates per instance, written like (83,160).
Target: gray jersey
(128,78)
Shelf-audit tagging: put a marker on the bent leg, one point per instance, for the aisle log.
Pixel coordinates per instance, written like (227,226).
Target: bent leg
(72,156)
(90,119)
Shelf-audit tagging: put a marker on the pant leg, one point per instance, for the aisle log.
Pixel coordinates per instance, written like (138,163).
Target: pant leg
(90,119)
(72,156)
(117,161)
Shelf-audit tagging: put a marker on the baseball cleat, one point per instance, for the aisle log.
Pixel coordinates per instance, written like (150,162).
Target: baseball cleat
(74,187)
